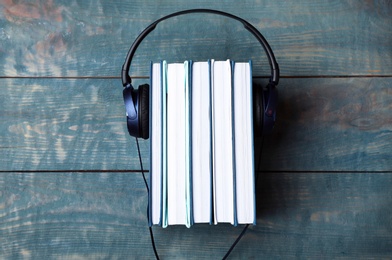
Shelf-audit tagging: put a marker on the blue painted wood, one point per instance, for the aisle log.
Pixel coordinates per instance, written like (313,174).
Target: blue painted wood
(103,215)
(68,186)
(75,124)
(91,38)
(332,124)
(65,125)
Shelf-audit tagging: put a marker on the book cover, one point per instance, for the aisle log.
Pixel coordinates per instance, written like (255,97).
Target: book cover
(156,161)
(222,142)
(201,142)
(244,144)
(202,151)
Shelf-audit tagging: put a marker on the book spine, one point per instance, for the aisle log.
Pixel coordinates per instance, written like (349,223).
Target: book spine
(149,206)
(164,145)
(161,147)
(190,76)
(233,150)
(213,183)
(188,175)
(211,166)
(252,136)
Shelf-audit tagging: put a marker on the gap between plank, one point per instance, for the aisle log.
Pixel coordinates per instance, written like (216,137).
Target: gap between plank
(146,77)
(147,171)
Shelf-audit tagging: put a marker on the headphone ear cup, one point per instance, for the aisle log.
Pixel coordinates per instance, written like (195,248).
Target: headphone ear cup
(258,110)
(131,97)
(144,107)
(270,100)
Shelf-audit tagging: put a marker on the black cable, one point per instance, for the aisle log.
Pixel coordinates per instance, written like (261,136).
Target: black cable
(141,165)
(236,241)
(148,191)
(153,243)
(247,225)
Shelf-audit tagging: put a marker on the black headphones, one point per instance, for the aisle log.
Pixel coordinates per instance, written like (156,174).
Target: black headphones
(137,101)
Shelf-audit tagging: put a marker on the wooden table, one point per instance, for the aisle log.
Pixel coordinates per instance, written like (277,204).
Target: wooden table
(70,181)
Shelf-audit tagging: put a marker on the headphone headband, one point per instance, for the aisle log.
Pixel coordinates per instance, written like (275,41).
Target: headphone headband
(274,80)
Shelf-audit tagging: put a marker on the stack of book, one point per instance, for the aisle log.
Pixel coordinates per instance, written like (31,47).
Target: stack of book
(201,150)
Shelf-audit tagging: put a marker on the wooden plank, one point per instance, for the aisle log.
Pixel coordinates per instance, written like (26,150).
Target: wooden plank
(103,215)
(86,38)
(69,186)
(71,215)
(332,125)
(66,124)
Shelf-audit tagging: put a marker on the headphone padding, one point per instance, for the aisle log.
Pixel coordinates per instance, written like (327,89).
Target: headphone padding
(270,100)
(144,108)
(258,109)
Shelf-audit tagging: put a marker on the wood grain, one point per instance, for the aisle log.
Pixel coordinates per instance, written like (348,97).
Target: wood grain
(69,124)
(65,125)
(70,181)
(332,125)
(91,38)
(102,215)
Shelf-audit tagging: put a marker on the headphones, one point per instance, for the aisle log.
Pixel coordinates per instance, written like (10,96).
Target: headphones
(137,100)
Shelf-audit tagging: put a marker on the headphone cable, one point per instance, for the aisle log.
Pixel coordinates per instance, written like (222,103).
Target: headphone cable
(148,191)
(247,225)
(236,241)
